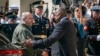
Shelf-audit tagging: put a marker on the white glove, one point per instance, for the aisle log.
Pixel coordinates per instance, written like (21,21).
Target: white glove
(98,37)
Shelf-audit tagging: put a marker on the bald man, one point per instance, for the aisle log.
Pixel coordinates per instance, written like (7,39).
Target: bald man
(22,32)
(64,33)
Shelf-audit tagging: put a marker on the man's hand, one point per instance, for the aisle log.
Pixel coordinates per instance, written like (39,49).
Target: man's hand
(98,37)
(27,43)
(45,53)
(92,37)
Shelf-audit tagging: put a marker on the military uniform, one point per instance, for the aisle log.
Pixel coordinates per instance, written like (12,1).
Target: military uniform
(93,30)
(44,25)
(42,22)
(9,25)
(42,29)
(21,33)
(14,9)
(8,30)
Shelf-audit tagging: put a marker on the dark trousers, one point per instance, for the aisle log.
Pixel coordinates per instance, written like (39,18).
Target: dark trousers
(81,46)
(92,55)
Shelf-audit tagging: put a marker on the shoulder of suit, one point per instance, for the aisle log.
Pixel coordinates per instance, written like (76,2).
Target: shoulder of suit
(64,19)
(90,20)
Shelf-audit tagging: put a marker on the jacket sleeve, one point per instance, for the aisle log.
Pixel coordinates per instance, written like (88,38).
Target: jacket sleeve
(18,37)
(57,34)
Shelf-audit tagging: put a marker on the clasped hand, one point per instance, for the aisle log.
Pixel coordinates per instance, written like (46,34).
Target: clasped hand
(27,42)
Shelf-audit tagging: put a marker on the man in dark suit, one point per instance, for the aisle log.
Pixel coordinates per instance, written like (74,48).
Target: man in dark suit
(64,33)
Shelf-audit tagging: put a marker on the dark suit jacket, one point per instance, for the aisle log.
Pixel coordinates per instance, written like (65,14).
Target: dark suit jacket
(65,34)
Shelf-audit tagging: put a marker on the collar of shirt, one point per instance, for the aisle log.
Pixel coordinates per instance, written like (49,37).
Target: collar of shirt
(38,16)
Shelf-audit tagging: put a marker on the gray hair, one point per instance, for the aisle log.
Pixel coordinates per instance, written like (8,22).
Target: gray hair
(62,11)
(25,15)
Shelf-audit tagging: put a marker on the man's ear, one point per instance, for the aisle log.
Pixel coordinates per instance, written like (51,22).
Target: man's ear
(61,15)
(23,19)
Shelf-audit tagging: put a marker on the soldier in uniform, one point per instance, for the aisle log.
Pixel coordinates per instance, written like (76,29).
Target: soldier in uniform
(42,22)
(92,28)
(40,19)
(12,19)
(9,24)
(9,16)
(14,10)
(22,32)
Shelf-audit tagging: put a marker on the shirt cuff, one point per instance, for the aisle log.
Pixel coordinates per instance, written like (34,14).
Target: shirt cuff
(98,37)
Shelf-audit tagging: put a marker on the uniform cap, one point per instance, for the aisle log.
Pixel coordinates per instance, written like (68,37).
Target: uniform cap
(38,4)
(12,17)
(95,8)
(8,13)
(11,7)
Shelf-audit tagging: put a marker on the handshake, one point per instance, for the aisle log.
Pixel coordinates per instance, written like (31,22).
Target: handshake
(27,42)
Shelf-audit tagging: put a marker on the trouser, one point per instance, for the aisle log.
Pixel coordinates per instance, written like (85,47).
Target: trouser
(28,53)
(55,54)
(81,47)
(92,55)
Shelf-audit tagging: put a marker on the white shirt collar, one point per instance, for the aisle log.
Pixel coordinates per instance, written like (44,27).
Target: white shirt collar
(38,16)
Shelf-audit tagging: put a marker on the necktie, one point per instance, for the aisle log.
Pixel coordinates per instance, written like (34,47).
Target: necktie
(40,20)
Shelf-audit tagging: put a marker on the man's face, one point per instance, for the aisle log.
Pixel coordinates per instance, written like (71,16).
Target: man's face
(10,21)
(96,14)
(77,12)
(88,4)
(39,10)
(57,15)
(29,20)
(15,11)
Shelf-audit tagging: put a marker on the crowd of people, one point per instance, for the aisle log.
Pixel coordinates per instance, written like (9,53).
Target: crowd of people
(71,30)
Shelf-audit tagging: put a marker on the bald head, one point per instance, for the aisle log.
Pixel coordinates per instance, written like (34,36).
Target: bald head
(27,18)
(25,15)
